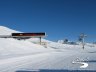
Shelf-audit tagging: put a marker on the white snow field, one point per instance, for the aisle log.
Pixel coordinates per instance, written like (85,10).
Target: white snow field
(27,56)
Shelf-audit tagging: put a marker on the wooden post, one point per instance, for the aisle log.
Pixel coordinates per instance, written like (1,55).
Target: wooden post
(40,40)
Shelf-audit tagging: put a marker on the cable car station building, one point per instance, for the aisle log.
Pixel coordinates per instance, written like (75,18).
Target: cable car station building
(21,36)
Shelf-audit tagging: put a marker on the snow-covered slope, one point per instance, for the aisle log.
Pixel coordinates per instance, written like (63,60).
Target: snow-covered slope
(6,31)
(13,47)
(29,56)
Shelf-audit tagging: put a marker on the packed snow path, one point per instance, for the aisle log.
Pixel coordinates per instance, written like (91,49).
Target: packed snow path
(56,60)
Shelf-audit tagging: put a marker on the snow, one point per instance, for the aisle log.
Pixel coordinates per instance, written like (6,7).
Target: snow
(30,56)
(5,30)
(82,64)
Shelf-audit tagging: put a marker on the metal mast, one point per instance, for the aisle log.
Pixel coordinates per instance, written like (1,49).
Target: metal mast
(82,37)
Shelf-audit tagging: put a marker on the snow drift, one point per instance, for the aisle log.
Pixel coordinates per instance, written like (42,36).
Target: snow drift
(12,47)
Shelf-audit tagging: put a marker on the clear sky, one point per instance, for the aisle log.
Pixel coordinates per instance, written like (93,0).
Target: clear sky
(58,18)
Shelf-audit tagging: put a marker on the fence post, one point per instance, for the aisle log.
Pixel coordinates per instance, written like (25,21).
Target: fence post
(40,40)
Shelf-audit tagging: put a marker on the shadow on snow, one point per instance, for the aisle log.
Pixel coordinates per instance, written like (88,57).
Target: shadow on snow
(48,70)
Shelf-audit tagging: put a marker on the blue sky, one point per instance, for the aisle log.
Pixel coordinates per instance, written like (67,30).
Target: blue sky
(60,19)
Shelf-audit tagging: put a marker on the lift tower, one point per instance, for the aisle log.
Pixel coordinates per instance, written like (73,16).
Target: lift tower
(82,38)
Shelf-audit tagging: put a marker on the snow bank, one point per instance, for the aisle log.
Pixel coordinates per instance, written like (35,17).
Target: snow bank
(10,46)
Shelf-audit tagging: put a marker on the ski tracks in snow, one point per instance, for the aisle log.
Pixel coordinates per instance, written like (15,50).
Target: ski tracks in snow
(82,64)
(7,65)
